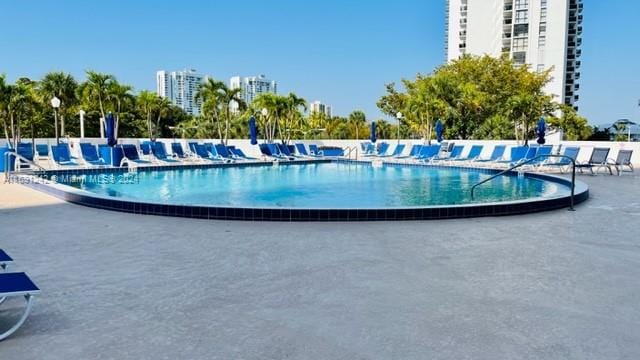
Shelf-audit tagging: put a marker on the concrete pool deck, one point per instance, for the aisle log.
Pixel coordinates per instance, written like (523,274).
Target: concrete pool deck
(553,285)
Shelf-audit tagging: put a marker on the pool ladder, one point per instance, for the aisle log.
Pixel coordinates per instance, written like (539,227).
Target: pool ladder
(350,150)
(18,159)
(573,174)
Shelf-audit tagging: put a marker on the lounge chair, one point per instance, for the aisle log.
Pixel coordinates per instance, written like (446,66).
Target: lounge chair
(224,153)
(496,155)
(380,151)
(453,155)
(160,153)
(61,156)
(276,153)
(540,152)
(623,159)
(17,284)
(314,151)
(302,151)
(415,150)
(474,154)
(561,164)
(5,259)
(516,156)
(131,157)
(90,155)
(42,151)
(240,154)
(368,148)
(202,152)
(397,152)
(598,160)
(427,153)
(178,151)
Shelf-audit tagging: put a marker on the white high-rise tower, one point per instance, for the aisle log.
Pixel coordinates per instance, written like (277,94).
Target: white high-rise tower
(180,87)
(541,33)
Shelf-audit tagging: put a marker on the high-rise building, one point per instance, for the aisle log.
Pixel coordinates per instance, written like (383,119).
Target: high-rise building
(541,33)
(252,86)
(319,107)
(180,87)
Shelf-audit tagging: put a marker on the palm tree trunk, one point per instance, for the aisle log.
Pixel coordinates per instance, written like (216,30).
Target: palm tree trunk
(13,131)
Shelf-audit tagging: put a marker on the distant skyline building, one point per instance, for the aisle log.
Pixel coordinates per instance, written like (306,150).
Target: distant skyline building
(253,86)
(541,33)
(319,107)
(180,87)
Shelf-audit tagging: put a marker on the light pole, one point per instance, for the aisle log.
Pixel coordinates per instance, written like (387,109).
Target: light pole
(55,103)
(399,117)
(264,113)
(82,123)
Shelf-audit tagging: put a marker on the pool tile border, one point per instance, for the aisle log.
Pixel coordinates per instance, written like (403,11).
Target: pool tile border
(301,215)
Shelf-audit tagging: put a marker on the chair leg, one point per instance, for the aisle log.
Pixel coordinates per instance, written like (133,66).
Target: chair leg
(14,328)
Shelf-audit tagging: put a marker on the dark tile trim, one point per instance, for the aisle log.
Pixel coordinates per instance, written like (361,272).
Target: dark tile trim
(324,215)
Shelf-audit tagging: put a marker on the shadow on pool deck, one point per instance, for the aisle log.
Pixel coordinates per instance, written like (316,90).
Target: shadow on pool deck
(558,284)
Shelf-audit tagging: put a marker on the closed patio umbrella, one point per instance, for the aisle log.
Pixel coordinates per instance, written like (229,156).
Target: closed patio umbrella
(541,128)
(373,132)
(110,129)
(253,131)
(439,130)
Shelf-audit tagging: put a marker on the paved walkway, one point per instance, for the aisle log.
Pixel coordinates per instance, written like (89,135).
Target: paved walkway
(555,285)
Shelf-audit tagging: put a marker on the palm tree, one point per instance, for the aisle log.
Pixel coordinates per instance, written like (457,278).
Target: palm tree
(119,95)
(63,86)
(273,104)
(4,103)
(292,104)
(21,103)
(96,90)
(162,107)
(227,97)
(146,102)
(209,93)
(357,118)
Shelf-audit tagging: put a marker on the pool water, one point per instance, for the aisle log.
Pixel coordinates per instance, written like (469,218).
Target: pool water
(333,185)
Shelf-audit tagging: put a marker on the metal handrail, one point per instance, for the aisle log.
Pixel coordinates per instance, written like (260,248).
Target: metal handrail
(7,159)
(573,174)
(350,149)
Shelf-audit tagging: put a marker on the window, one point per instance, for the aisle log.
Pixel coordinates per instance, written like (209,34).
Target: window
(520,44)
(522,17)
(542,41)
(519,58)
(540,68)
(522,4)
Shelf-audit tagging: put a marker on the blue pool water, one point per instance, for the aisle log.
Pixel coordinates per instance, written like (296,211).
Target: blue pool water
(320,185)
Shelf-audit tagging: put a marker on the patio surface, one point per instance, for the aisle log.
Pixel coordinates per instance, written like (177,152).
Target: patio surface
(554,285)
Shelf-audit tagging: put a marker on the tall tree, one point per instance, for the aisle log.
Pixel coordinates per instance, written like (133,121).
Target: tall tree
(357,119)
(209,93)
(64,87)
(95,92)
(120,97)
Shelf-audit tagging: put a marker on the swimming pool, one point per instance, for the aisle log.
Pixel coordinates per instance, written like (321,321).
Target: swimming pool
(317,190)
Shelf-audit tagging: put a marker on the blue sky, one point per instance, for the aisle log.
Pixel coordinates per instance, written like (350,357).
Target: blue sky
(335,51)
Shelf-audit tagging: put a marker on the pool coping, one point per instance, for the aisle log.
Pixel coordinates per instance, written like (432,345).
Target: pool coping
(502,208)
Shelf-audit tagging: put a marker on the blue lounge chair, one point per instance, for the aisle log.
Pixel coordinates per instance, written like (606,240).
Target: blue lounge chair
(474,154)
(455,154)
(276,154)
(562,164)
(302,151)
(178,151)
(240,154)
(516,156)
(61,156)
(397,152)
(541,152)
(130,156)
(160,153)
(496,154)
(598,160)
(368,148)
(17,284)
(415,150)
(202,152)
(380,151)
(428,152)
(90,155)
(146,148)
(286,151)
(224,153)
(313,150)
(42,151)
(5,259)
